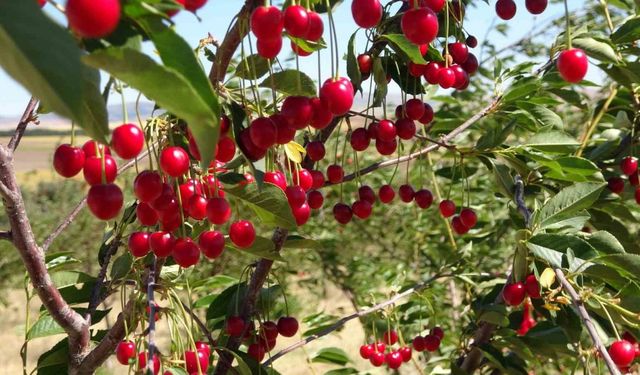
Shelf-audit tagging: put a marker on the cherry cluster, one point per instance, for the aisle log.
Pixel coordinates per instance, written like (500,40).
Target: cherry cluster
(514,293)
(261,341)
(629,169)
(430,342)
(381,352)
(195,362)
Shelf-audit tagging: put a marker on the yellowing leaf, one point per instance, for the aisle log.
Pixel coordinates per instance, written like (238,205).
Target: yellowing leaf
(294,151)
(547,278)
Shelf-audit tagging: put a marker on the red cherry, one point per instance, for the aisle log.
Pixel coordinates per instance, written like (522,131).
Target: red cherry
(68,160)
(284,132)
(386,131)
(147,186)
(414,108)
(299,50)
(462,78)
(470,65)
(196,362)
(438,332)
(629,165)
(337,95)
(125,351)
(146,215)
(622,353)
(342,213)
(535,6)
(235,326)
(316,27)
(572,65)
(93,170)
(629,337)
(218,210)
(211,243)
(185,252)
(268,330)
(127,141)
(242,233)
(295,195)
(269,48)
(458,226)
(419,343)
(365,64)
(197,207)
(267,22)
(256,351)
(316,150)
(390,337)
(249,149)
(194,5)
(532,286)
(287,326)
(303,178)
(514,293)
(298,110)
(406,193)
(166,199)
(366,193)
(406,128)
(366,351)
(335,174)
(296,21)
(386,194)
(423,198)
(447,208)
(322,117)
(468,217)
(366,13)
(377,359)
(380,347)
(105,201)
(634,179)
(318,179)
(405,353)
(431,342)
(361,209)
(276,178)
(416,70)
(615,184)
(42,3)
(360,139)
(93,148)
(506,9)
(142,362)
(637,195)
(420,25)
(226,149)
(432,72)
(394,360)
(446,78)
(173,12)
(93,18)
(174,161)
(170,223)
(372,130)
(263,132)
(428,115)
(315,199)
(472,41)
(139,244)
(188,190)
(435,5)
(161,243)
(459,52)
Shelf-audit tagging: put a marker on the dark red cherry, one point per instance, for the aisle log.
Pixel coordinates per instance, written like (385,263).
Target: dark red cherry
(284,132)
(615,184)
(435,5)
(366,193)
(365,64)
(263,132)
(468,217)
(315,199)
(536,6)
(419,344)
(316,150)
(174,161)
(322,117)
(287,326)
(242,233)
(269,48)
(514,293)
(317,179)
(447,208)
(138,244)
(256,351)
(105,201)
(337,95)
(196,362)
(147,186)
(366,13)
(432,72)
(506,9)
(386,147)
(127,141)
(419,25)
(361,209)
(146,215)
(438,332)
(161,243)
(459,52)
(360,139)
(316,27)
(250,150)
(218,210)
(458,226)
(629,165)
(386,131)
(532,286)
(446,78)
(472,41)
(573,65)
(427,117)
(342,213)
(194,5)
(269,330)
(94,167)
(372,130)
(68,160)
(390,337)
(414,108)
(423,198)
(335,174)
(295,195)
(470,65)
(386,194)
(267,22)
(235,326)
(416,70)
(125,351)
(406,128)
(296,21)
(431,343)
(406,193)
(298,110)
(226,149)
(299,50)
(91,18)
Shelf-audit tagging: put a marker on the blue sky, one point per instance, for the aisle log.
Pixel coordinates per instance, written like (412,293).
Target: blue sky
(217,14)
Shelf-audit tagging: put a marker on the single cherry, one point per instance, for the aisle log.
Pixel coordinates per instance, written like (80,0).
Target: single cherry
(161,243)
(428,115)
(459,52)
(267,22)
(386,194)
(287,326)
(406,128)
(322,116)
(263,132)
(235,326)
(419,25)
(196,362)
(423,198)
(615,184)
(93,148)
(432,72)
(337,95)
(218,210)
(406,193)
(394,360)
(94,167)
(298,111)
(105,201)
(185,252)
(447,208)
(174,161)
(365,64)
(242,233)
(68,160)
(366,13)
(269,48)
(127,141)
(572,65)
(468,217)
(315,199)
(296,21)
(386,131)
(361,209)
(390,337)
(93,18)
(147,186)
(256,351)
(125,351)
(622,353)
(316,150)
(139,244)
(532,286)
(514,293)
(146,215)
(536,6)
(142,362)
(360,139)
(366,193)
(276,178)
(431,343)
(335,174)
(342,213)
(506,9)
(458,226)
(414,108)
(316,27)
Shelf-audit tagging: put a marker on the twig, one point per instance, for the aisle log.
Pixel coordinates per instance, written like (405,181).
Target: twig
(203,327)
(591,126)
(95,299)
(152,314)
(27,117)
(416,288)
(518,197)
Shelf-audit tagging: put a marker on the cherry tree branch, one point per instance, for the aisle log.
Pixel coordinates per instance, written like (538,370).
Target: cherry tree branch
(151,282)
(27,117)
(95,298)
(6,235)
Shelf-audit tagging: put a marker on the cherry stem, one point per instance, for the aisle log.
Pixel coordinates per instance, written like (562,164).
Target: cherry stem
(568,27)
(446,35)
(152,313)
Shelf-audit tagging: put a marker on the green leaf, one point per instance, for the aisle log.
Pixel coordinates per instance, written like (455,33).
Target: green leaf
(47,326)
(552,141)
(628,264)
(262,248)
(342,371)
(165,86)
(568,202)
(605,243)
(628,32)
(546,117)
(520,89)
(291,82)
(252,67)
(555,258)
(269,204)
(298,242)
(225,303)
(121,266)
(404,47)
(44,58)
(178,56)
(63,279)
(176,371)
(331,355)
(597,49)
(353,70)
(562,242)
